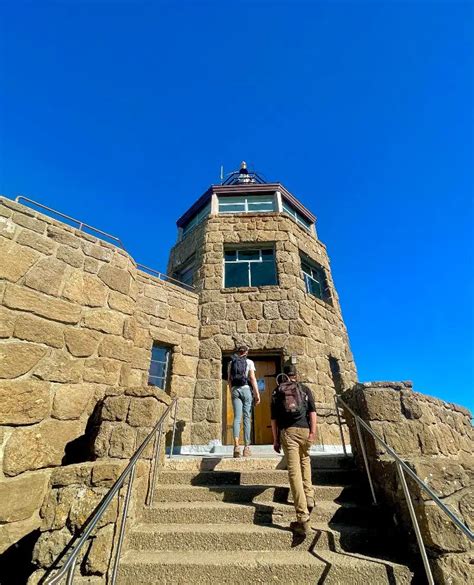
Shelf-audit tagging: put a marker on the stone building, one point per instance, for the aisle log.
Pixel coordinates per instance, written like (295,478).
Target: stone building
(262,276)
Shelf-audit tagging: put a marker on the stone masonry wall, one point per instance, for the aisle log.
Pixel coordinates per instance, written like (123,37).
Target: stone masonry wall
(77,323)
(282,318)
(437,440)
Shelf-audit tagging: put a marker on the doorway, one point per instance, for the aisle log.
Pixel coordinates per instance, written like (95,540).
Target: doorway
(267,367)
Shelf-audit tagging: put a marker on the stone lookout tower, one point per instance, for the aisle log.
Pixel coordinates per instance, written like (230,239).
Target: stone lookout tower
(251,250)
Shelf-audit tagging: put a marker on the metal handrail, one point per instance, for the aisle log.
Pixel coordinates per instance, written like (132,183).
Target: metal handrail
(165,277)
(70,565)
(82,225)
(403,468)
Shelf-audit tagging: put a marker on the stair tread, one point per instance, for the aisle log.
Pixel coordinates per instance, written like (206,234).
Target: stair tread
(238,505)
(219,558)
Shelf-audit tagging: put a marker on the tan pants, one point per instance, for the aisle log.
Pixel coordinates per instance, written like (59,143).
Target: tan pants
(296,447)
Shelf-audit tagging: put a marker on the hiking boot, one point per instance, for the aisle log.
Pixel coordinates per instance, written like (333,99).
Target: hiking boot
(301,528)
(247,451)
(237,452)
(310,504)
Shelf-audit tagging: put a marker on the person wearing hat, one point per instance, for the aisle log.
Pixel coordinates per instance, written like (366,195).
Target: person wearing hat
(293,419)
(244,390)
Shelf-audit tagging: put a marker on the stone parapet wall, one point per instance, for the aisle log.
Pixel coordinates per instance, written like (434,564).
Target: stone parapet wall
(436,439)
(77,323)
(284,319)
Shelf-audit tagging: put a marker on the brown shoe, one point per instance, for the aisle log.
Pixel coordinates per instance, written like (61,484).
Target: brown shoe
(247,451)
(301,528)
(237,452)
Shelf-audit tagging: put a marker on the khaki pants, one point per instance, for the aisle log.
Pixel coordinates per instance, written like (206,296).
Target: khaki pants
(296,447)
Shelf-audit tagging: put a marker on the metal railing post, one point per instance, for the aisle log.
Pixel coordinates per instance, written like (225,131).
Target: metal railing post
(154,464)
(340,426)
(70,573)
(366,461)
(174,429)
(122,525)
(416,527)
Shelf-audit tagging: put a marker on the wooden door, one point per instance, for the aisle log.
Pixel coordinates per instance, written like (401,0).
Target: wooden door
(266,370)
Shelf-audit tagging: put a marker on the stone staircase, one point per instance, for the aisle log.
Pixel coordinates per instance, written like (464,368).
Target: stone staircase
(222,520)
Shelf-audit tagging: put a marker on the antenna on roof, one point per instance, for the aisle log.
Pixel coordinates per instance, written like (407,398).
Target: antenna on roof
(222,173)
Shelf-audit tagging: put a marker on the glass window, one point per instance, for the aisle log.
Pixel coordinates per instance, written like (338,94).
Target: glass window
(196,219)
(248,267)
(291,211)
(315,279)
(185,272)
(247,204)
(158,374)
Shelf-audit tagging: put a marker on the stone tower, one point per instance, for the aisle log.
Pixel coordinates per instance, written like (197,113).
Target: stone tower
(251,250)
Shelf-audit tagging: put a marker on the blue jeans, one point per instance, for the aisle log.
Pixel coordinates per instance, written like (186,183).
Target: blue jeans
(242,403)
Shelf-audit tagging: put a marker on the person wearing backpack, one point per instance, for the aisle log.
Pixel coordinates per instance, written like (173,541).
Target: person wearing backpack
(242,383)
(293,416)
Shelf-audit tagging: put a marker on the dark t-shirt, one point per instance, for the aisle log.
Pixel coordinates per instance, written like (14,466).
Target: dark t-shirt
(287,419)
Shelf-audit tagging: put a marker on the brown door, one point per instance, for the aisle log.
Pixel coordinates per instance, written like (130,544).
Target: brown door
(266,370)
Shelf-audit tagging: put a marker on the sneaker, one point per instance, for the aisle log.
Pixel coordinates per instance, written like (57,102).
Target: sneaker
(301,528)
(310,504)
(247,451)
(237,452)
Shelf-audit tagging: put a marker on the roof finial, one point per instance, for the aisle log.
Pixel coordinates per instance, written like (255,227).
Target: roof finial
(244,173)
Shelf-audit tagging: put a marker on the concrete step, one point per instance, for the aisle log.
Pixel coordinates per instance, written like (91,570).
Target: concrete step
(248,493)
(257,513)
(225,463)
(270,477)
(210,537)
(249,567)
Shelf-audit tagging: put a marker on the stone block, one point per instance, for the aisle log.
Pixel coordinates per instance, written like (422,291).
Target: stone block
(98,555)
(12,532)
(402,438)
(131,376)
(8,228)
(183,386)
(105,473)
(29,222)
(49,546)
(35,241)
(59,367)
(96,251)
(7,322)
(453,569)
(16,260)
(24,402)
(208,388)
(102,371)
(70,256)
(115,278)
(382,404)
(438,530)
(209,349)
(233,312)
(252,309)
(122,441)
(62,236)
(47,276)
(204,432)
(82,342)
(122,303)
(22,496)
(144,412)
(21,298)
(410,405)
(104,320)
(270,310)
(117,348)
(183,365)
(289,309)
(71,401)
(91,265)
(85,289)
(39,330)
(17,358)
(184,317)
(39,446)
(79,474)
(115,408)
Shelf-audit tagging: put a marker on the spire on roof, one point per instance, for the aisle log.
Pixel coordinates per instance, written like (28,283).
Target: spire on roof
(243,175)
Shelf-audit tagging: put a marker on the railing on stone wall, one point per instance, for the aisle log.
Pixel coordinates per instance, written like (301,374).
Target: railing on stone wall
(68,568)
(402,469)
(84,227)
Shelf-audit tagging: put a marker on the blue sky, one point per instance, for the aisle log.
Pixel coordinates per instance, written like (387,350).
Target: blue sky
(121,113)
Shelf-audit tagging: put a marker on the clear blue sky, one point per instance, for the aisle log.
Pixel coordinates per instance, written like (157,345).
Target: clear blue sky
(121,113)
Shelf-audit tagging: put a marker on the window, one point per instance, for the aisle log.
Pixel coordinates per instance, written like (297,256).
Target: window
(300,220)
(158,375)
(185,272)
(315,279)
(249,267)
(247,204)
(196,219)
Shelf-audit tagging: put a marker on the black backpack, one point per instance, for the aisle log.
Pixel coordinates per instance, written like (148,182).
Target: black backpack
(290,396)
(238,369)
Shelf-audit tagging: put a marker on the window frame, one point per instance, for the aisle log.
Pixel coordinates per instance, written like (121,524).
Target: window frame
(196,219)
(166,371)
(288,208)
(260,260)
(188,265)
(317,275)
(245,200)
